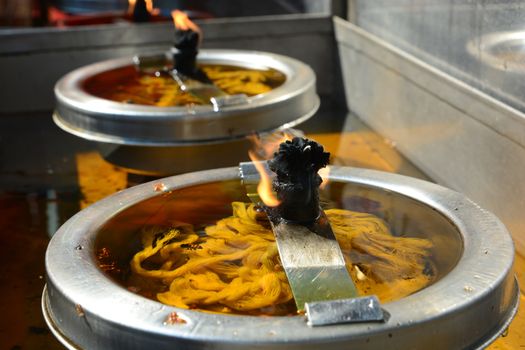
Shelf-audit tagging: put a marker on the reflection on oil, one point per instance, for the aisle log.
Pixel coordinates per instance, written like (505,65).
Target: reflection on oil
(25,227)
(126,85)
(199,255)
(97,179)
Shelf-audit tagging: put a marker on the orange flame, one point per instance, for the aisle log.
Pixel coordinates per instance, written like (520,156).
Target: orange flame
(263,148)
(131,6)
(182,22)
(264,189)
(267,145)
(325,174)
(149,6)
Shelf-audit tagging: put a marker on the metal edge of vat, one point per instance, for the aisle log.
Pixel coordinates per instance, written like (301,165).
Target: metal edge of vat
(467,308)
(174,160)
(68,343)
(103,120)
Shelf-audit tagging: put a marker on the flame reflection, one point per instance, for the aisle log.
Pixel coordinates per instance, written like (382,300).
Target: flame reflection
(325,174)
(182,21)
(265,147)
(264,189)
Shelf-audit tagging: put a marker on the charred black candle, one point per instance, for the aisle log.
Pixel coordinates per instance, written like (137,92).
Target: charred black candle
(185,57)
(297,183)
(140,12)
(186,44)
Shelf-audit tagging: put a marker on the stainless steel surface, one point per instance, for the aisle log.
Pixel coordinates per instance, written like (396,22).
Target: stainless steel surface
(164,161)
(439,32)
(31,40)
(310,255)
(504,51)
(102,120)
(67,343)
(470,304)
(313,261)
(220,102)
(364,309)
(459,136)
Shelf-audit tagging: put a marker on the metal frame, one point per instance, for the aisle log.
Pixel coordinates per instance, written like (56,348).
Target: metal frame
(457,135)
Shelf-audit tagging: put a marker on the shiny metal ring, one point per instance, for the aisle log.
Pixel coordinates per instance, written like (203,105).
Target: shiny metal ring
(468,307)
(98,119)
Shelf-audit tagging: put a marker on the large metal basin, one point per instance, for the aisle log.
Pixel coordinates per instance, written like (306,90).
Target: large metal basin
(173,140)
(471,302)
(94,118)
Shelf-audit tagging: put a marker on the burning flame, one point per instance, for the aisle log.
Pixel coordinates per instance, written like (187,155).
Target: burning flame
(182,22)
(131,5)
(149,6)
(264,189)
(264,147)
(324,173)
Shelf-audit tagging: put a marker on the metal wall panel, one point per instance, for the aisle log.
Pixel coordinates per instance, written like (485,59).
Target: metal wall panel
(460,137)
(480,42)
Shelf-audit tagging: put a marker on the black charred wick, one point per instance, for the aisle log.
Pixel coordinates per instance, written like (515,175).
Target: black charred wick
(140,12)
(185,54)
(297,182)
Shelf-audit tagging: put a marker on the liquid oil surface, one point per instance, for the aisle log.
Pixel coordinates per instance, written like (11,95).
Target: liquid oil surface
(205,247)
(127,85)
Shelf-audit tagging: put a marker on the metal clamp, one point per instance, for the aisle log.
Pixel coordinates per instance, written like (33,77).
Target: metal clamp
(364,309)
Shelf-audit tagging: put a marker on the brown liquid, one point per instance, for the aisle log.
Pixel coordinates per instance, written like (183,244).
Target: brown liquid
(206,204)
(127,85)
